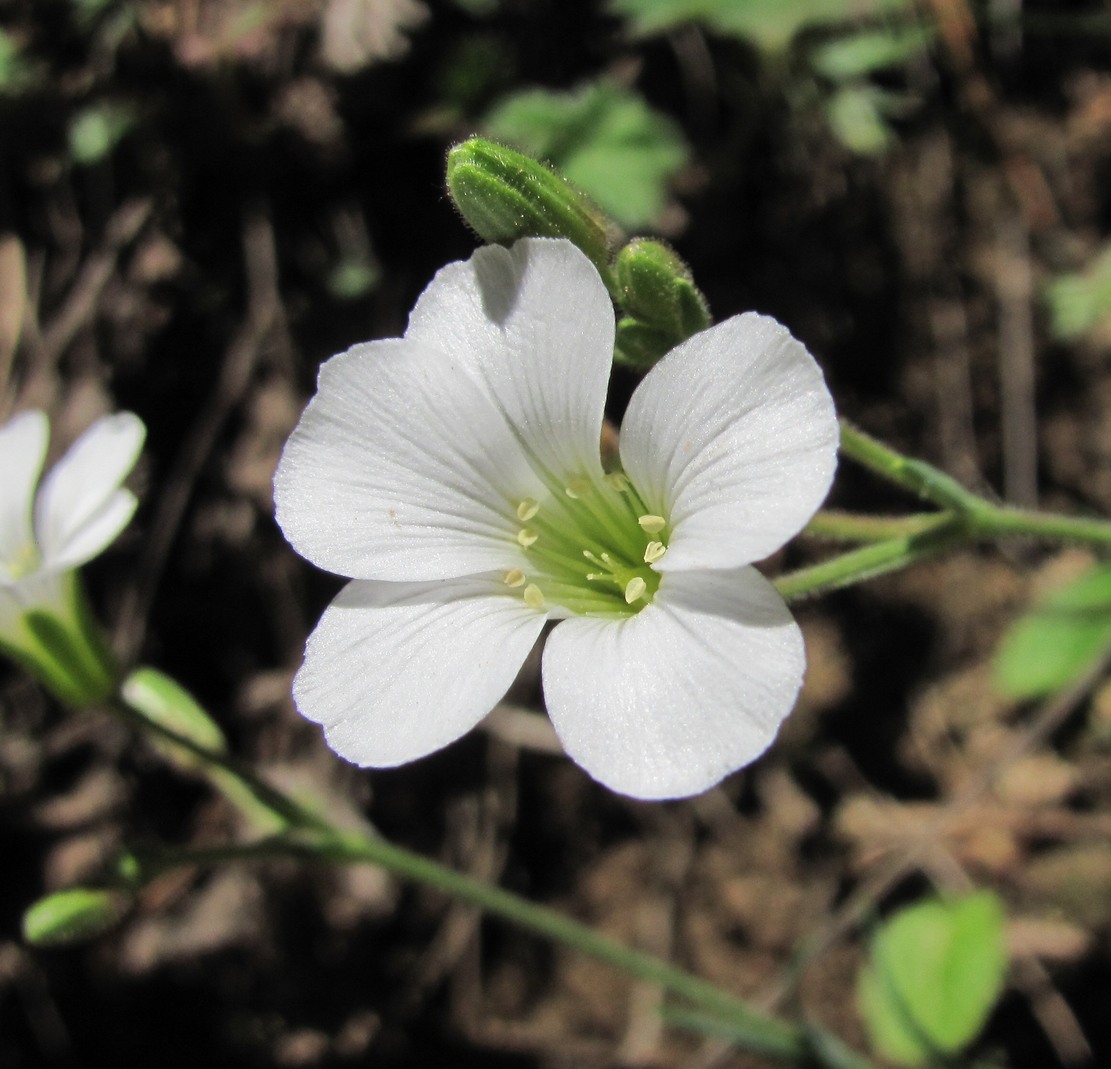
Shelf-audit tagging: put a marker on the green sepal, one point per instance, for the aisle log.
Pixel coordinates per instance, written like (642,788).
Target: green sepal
(656,288)
(639,345)
(505,195)
(62,647)
(73,915)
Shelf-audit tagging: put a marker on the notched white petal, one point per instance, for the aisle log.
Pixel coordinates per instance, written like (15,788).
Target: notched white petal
(23,442)
(395,671)
(535,326)
(733,437)
(80,508)
(401,469)
(666,703)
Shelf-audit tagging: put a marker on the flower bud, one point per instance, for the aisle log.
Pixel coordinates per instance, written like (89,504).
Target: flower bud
(162,701)
(73,915)
(656,288)
(505,195)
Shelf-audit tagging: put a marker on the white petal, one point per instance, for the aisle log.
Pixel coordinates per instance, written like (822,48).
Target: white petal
(402,468)
(81,508)
(666,703)
(23,441)
(733,436)
(535,325)
(395,671)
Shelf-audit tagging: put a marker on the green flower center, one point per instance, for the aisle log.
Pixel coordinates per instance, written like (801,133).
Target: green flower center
(23,563)
(590,547)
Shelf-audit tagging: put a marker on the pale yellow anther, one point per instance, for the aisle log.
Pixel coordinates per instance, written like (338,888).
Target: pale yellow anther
(527,536)
(577,487)
(652,524)
(618,481)
(653,552)
(634,589)
(534,596)
(527,509)
(514,577)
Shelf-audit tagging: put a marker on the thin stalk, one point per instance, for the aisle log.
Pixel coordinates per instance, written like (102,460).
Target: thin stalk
(833,526)
(873,560)
(311,836)
(917,476)
(997,521)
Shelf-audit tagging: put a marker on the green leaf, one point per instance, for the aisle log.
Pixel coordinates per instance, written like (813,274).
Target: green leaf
(95,131)
(73,915)
(1082,301)
(769,24)
(934,972)
(605,139)
(868,52)
(1062,635)
(856,117)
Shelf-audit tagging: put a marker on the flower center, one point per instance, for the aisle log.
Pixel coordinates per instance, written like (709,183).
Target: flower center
(590,548)
(25,561)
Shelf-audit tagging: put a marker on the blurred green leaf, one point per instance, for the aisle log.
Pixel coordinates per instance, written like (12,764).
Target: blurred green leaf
(351,279)
(95,131)
(934,972)
(1081,301)
(16,74)
(1061,636)
(605,139)
(856,116)
(864,53)
(770,24)
(73,915)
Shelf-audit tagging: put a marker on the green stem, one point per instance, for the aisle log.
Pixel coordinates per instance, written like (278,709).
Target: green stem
(916,476)
(998,521)
(873,560)
(310,835)
(833,526)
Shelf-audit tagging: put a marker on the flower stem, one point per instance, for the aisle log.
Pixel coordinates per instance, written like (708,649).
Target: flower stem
(917,476)
(876,559)
(309,835)
(834,526)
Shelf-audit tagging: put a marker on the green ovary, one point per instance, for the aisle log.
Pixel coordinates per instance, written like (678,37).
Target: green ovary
(590,547)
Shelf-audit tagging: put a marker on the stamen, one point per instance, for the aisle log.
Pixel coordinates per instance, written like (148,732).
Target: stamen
(634,589)
(514,577)
(652,524)
(526,509)
(577,487)
(618,481)
(534,597)
(526,536)
(653,552)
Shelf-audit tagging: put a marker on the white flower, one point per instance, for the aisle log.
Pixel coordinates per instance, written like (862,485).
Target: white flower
(454,475)
(79,509)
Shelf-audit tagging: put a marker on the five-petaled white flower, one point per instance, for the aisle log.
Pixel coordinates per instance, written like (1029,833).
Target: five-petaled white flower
(78,510)
(455,475)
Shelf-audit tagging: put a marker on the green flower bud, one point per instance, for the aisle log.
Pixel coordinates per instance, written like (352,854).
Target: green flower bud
(162,701)
(505,195)
(73,915)
(656,288)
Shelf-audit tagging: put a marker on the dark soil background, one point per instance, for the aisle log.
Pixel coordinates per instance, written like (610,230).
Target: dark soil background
(189,274)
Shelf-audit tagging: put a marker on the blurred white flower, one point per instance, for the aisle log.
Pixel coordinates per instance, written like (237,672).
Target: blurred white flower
(454,474)
(79,508)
